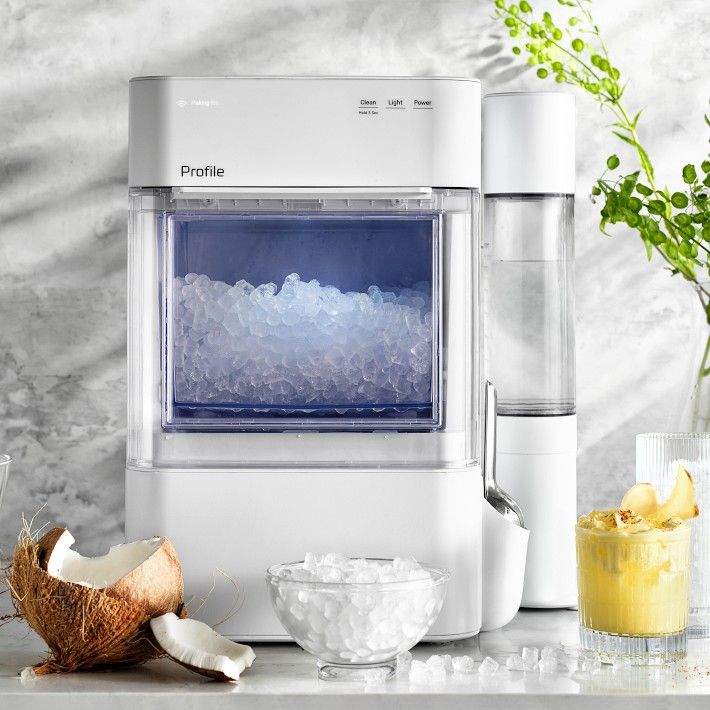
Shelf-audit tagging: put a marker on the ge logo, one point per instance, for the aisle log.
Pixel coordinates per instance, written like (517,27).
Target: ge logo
(181,103)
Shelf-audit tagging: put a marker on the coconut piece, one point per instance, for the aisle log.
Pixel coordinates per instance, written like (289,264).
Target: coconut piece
(146,572)
(201,649)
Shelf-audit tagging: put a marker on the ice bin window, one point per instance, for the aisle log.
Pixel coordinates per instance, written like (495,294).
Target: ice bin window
(301,320)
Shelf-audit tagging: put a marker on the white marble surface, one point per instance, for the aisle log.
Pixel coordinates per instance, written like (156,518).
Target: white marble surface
(284,676)
(64,68)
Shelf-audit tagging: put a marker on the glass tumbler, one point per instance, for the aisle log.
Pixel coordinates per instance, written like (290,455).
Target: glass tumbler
(633,593)
(657,459)
(5,462)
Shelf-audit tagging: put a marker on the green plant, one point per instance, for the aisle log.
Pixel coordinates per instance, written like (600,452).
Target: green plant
(673,224)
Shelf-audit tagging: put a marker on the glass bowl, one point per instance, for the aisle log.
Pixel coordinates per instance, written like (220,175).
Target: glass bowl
(355,629)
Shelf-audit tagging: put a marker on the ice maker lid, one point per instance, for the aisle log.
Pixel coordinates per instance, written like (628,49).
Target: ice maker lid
(528,143)
(304,132)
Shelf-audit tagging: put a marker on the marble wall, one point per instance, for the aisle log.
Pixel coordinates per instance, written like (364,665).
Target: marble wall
(64,68)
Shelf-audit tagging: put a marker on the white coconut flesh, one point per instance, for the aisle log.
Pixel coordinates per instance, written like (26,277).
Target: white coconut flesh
(98,572)
(197,646)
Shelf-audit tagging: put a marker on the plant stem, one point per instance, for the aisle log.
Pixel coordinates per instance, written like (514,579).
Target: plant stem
(703,371)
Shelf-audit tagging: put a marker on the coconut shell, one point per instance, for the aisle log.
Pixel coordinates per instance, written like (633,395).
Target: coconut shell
(156,586)
(83,627)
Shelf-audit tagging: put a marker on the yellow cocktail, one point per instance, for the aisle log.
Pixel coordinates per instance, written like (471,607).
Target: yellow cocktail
(633,582)
(632,575)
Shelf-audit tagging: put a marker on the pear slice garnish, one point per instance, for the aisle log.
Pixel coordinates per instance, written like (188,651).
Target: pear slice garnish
(642,499)
(681,502)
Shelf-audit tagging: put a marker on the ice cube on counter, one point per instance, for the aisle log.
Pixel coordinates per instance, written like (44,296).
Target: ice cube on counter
(590,662)
(404,662)
(549,652)
(437,663)
(463,664)
(421,673)
(530,657)
(489,666)
(514,662)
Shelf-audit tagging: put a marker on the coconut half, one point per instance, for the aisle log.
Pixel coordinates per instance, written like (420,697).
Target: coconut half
(199,648)
(87,619)
(146,572)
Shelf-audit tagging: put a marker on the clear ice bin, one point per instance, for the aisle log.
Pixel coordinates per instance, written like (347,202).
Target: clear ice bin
(341,328)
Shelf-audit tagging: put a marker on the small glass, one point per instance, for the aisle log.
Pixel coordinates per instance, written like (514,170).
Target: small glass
(5,462)
(657,459)
(633,593)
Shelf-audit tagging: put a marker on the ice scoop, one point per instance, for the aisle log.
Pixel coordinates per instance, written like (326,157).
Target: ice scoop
(505,538)
(492,492)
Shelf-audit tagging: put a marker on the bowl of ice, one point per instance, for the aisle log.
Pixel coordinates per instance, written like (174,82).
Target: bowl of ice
(356,615)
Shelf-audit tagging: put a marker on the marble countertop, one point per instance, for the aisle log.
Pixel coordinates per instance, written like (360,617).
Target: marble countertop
(284,676)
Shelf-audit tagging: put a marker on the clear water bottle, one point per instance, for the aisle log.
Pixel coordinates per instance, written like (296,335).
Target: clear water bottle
(528,164)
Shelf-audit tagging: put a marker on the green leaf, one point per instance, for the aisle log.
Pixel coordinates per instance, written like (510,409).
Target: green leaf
(525,6)
(624,138)
(634,204)
(627,187)
(706,232)
(689,174)
(542,73)
(705,166)
(679,200)
(596,191)
(671,250)
(685,249)
(631,218)
(656,206)
(613,162)
(643,190)
(577,44)
(645,162)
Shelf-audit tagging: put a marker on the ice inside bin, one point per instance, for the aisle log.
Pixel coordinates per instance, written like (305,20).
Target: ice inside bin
(303,316)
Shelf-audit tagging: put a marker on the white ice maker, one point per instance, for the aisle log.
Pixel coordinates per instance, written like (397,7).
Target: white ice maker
(304,331)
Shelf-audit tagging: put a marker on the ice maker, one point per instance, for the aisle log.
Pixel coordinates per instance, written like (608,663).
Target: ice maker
(528,185)
(304,330)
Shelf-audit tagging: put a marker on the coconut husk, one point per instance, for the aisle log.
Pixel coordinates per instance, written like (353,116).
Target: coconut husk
(84,628)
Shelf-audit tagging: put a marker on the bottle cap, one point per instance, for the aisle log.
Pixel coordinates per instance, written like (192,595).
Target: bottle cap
(528,143)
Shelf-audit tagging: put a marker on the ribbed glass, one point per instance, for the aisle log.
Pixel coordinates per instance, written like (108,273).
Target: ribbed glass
(657,459)
(633,591)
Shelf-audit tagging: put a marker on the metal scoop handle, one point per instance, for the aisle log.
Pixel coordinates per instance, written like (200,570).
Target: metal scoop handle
(492,492)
